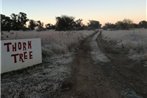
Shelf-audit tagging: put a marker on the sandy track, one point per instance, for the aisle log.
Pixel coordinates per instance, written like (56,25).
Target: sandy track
(88,80)
(128,75)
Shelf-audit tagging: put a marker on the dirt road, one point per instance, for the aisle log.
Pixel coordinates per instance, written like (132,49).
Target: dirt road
(98,70)
(128,75)
(118,77)
(88,80)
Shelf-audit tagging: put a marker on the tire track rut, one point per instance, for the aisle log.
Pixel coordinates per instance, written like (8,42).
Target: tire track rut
(88,80)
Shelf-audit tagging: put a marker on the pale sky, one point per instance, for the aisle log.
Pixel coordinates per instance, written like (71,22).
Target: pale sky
(101,10)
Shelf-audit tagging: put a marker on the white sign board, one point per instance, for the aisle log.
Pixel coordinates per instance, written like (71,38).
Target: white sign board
(18,54)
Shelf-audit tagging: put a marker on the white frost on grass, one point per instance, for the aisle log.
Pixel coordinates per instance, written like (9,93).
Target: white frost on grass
(57,53)
(56,42)
(43,79)
(62,59)
(129,38)
(97,54)
(135,40)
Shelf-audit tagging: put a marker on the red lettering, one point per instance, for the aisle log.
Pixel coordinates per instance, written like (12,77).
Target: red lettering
(25,55)
(24,46)
(14,56)
(19,45)
(21,57)
(8,44)
(14,47)
(30,55)
(29,45)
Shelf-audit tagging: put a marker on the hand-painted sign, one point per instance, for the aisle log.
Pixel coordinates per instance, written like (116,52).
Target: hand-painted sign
(18,54)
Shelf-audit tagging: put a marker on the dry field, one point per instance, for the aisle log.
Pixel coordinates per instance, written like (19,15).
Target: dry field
(82,64)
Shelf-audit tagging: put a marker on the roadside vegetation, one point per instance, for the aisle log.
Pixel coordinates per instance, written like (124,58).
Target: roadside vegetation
(20,21)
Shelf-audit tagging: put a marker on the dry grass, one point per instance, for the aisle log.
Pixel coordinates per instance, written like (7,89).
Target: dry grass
(135,41)
(53,42)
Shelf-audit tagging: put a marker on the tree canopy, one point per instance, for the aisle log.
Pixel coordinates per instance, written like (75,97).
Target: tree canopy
(93,24)
(63,23)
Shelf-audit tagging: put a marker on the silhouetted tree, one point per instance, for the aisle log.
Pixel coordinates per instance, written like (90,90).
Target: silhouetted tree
(5,23)
(128,23)
(49,26)
(22,18)
(120,25)
(109,26)
(79,25)
(15,24)
(19,21)
(93,24)
(143,24)
(64,23)
(32,24)
(135,25)
(124,25)
(40,26)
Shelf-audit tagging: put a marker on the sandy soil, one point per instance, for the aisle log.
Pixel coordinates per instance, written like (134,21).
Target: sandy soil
(129,75)
(118,78)
(88,80)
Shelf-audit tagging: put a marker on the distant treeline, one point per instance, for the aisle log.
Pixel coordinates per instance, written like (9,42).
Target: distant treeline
(21,22)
